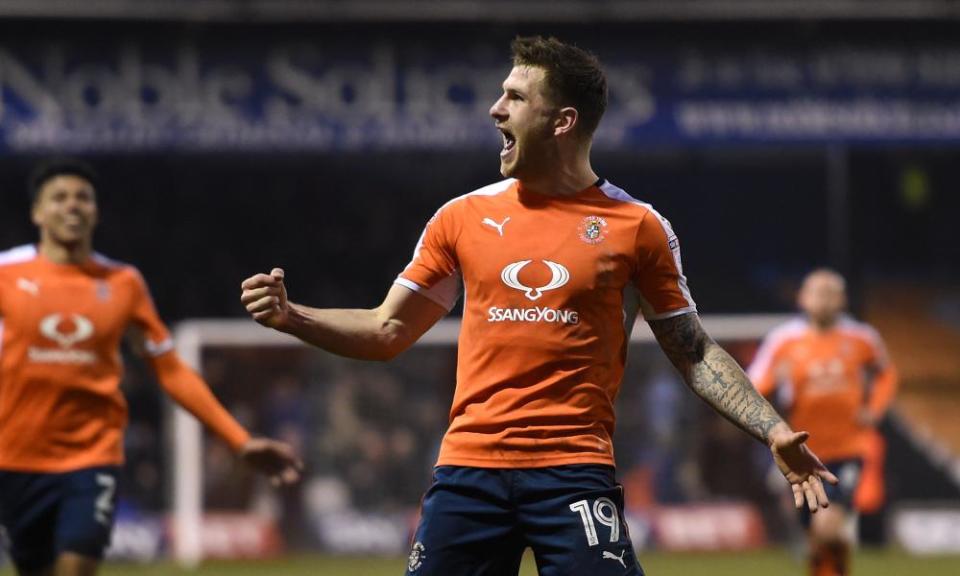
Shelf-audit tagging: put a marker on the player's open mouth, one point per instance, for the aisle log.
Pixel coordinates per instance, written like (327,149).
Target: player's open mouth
(74,222)
(508,143)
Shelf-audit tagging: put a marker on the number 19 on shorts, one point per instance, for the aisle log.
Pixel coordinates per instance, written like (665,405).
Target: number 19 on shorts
(603,511)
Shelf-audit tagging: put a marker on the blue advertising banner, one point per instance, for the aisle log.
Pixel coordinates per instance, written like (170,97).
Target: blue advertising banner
(343,93)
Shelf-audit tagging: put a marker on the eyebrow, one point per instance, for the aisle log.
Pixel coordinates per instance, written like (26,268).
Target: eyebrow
(82,190)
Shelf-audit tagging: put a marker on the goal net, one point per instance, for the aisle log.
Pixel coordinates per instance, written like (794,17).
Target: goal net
(369,434)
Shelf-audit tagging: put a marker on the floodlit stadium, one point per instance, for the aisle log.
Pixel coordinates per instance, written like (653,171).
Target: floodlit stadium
(231,137)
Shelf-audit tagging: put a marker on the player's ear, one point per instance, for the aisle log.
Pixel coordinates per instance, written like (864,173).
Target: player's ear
(565,121)
(96,212)
(35,214)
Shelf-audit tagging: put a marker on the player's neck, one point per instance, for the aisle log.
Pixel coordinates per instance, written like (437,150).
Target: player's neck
(60,253)
(823,326)
(566,179)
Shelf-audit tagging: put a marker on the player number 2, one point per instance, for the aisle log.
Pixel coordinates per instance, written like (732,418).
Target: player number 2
(104,503)
(605,512)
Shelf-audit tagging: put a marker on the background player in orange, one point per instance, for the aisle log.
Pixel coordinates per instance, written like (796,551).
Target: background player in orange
(833,376)
(552,261)
(63,312)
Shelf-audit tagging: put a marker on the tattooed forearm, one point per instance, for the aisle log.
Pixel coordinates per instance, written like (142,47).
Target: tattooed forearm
(721,382)
(714,375)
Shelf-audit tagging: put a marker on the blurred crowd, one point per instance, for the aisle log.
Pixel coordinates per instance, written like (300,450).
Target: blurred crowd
(370,435)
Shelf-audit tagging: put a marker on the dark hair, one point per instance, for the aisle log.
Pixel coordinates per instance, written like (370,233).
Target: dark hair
(53,167)
(574,76)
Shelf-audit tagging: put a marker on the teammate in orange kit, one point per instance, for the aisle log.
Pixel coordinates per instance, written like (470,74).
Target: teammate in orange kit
(64,310)
(833,376)
(546,258)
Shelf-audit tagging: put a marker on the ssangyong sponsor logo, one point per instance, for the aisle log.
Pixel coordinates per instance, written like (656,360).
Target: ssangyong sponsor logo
(510,275)
(535,314)
(66,332)
(54,356)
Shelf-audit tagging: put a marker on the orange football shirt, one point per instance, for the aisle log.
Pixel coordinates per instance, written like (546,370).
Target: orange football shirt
(824,379)
(548,284)
(61,408)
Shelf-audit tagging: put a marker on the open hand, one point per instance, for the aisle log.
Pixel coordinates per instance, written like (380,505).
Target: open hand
(801,468)
(867,419)
(276,460)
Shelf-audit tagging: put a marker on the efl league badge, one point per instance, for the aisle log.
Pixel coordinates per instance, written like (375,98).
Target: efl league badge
(103,291)
(593,229)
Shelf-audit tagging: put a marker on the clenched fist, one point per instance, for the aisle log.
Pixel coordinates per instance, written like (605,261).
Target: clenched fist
(265,298)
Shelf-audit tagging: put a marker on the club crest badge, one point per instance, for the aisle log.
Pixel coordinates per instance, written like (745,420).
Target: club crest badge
(593,229)
(416,556)
(103,291)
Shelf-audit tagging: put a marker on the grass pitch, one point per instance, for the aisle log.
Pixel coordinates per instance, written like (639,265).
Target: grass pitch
(765,563)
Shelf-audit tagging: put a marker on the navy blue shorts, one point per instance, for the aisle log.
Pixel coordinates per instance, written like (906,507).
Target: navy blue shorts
(478,521)
(46,514)
(842,494)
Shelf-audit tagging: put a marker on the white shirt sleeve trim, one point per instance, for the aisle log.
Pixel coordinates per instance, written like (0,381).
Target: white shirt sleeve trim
(671,313)
(440,296)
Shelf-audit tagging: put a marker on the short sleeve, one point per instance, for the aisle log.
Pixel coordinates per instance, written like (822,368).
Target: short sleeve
(762,372)
(156,335)
(434,270)
(877,349)
(659,276)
